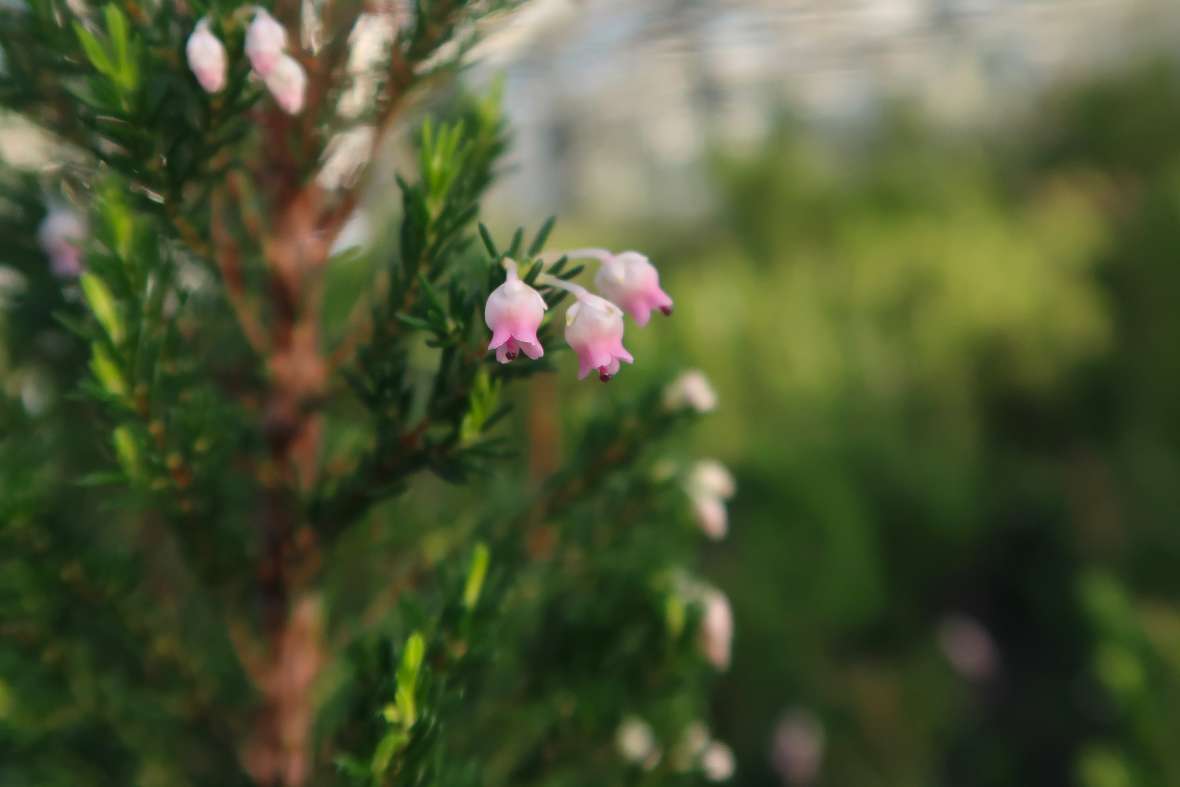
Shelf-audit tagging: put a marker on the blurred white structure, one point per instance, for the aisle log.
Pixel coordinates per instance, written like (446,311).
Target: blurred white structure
(613,101)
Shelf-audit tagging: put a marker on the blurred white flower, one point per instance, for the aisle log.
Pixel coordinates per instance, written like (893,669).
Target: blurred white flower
(206,57)
(691,391)
(346,155)
(266,40)
(311,33)
(635,741)
(61,235)
(287,82)
(715,637)
(797,748)
(710,477)
(968,647)
(709,485)
(35,393)
(369,41)
(718,762)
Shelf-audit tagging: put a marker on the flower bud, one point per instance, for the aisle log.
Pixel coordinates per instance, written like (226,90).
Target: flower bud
(287,83)
(635,741)
(709,485)
(631,281)
(691,391)
(513,313)
(265,41)
(206,57)
(710,477)
(61,235)
(594,329)
(718,762)
(715,636)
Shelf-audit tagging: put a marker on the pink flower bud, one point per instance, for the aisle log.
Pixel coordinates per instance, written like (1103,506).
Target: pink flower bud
(61,235)
(630,280)
(206,57)
(716,633)
(265,41)
(709,485)
(287,83)
(513,313)
(594,328)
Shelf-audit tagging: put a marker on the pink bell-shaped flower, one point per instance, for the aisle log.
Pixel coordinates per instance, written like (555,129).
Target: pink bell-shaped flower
(513,313)
(631,281)
(266,40)
(594,329)
(287,83)
(206,57)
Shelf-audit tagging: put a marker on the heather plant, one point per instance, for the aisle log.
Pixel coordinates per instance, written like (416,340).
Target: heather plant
(264,511)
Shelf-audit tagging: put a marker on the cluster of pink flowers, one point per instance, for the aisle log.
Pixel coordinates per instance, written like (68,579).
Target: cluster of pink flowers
(266,44)
(593,324)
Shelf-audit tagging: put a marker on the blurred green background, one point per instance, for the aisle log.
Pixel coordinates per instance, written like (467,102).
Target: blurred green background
(950,393)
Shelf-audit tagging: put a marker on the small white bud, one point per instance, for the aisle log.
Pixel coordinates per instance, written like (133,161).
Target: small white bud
(266,40)
(635,740)
(206,57)
(345,157)
(691,390)
(715,636)
(287,82)
(709,485)
(718,762)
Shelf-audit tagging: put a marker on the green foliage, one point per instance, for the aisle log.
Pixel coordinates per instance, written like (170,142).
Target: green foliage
(218,563)
(948,389)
